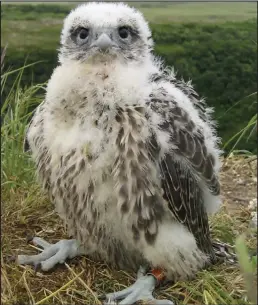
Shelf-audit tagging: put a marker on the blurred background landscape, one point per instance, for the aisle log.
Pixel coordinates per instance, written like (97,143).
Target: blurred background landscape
(214,44)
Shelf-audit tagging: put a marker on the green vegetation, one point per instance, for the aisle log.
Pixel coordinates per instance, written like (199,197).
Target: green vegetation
(248,267)
(17,168)
(154,12)
(221,61)
(219,57)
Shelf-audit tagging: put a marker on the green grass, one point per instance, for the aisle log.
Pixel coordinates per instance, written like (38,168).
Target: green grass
(30,34)
(17,168)
(200,12)
(249,130)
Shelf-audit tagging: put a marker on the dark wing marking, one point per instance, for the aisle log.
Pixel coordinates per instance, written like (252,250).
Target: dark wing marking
(179,182)
(184,196)
(187,89)
(199,104)
(26,145)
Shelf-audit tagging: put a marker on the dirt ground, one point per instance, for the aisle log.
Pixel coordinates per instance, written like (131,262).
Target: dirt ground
(239,182)
(80,280)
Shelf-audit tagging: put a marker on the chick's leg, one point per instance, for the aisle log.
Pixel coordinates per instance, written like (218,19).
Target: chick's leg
(141,290)
(52,254)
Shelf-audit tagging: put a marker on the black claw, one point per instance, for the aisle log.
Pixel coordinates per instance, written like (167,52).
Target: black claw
(102,297)
(37,267)
(10,258)
(29,238)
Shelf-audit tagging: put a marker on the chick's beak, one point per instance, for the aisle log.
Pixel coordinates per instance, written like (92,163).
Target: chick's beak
(103,42)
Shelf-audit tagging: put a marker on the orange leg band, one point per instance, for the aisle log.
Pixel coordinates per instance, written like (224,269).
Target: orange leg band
(158,273)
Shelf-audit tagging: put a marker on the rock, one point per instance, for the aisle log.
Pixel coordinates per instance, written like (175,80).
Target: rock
(252,205)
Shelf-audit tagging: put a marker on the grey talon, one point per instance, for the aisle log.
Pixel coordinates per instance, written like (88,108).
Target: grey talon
(29,238)
(51,255)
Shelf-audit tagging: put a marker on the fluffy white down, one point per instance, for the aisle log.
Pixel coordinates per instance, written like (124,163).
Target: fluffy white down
(73,81)
(174,238)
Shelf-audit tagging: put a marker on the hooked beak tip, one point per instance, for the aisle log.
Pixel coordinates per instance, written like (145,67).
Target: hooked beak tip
(104,42)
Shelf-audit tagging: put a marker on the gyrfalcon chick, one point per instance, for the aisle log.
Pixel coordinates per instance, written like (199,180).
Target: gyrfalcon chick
(127,153)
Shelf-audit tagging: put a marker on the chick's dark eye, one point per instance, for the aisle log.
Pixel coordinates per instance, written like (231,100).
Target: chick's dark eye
(123,32)
(84,33)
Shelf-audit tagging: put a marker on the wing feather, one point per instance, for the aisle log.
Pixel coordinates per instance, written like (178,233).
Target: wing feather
(183,168)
